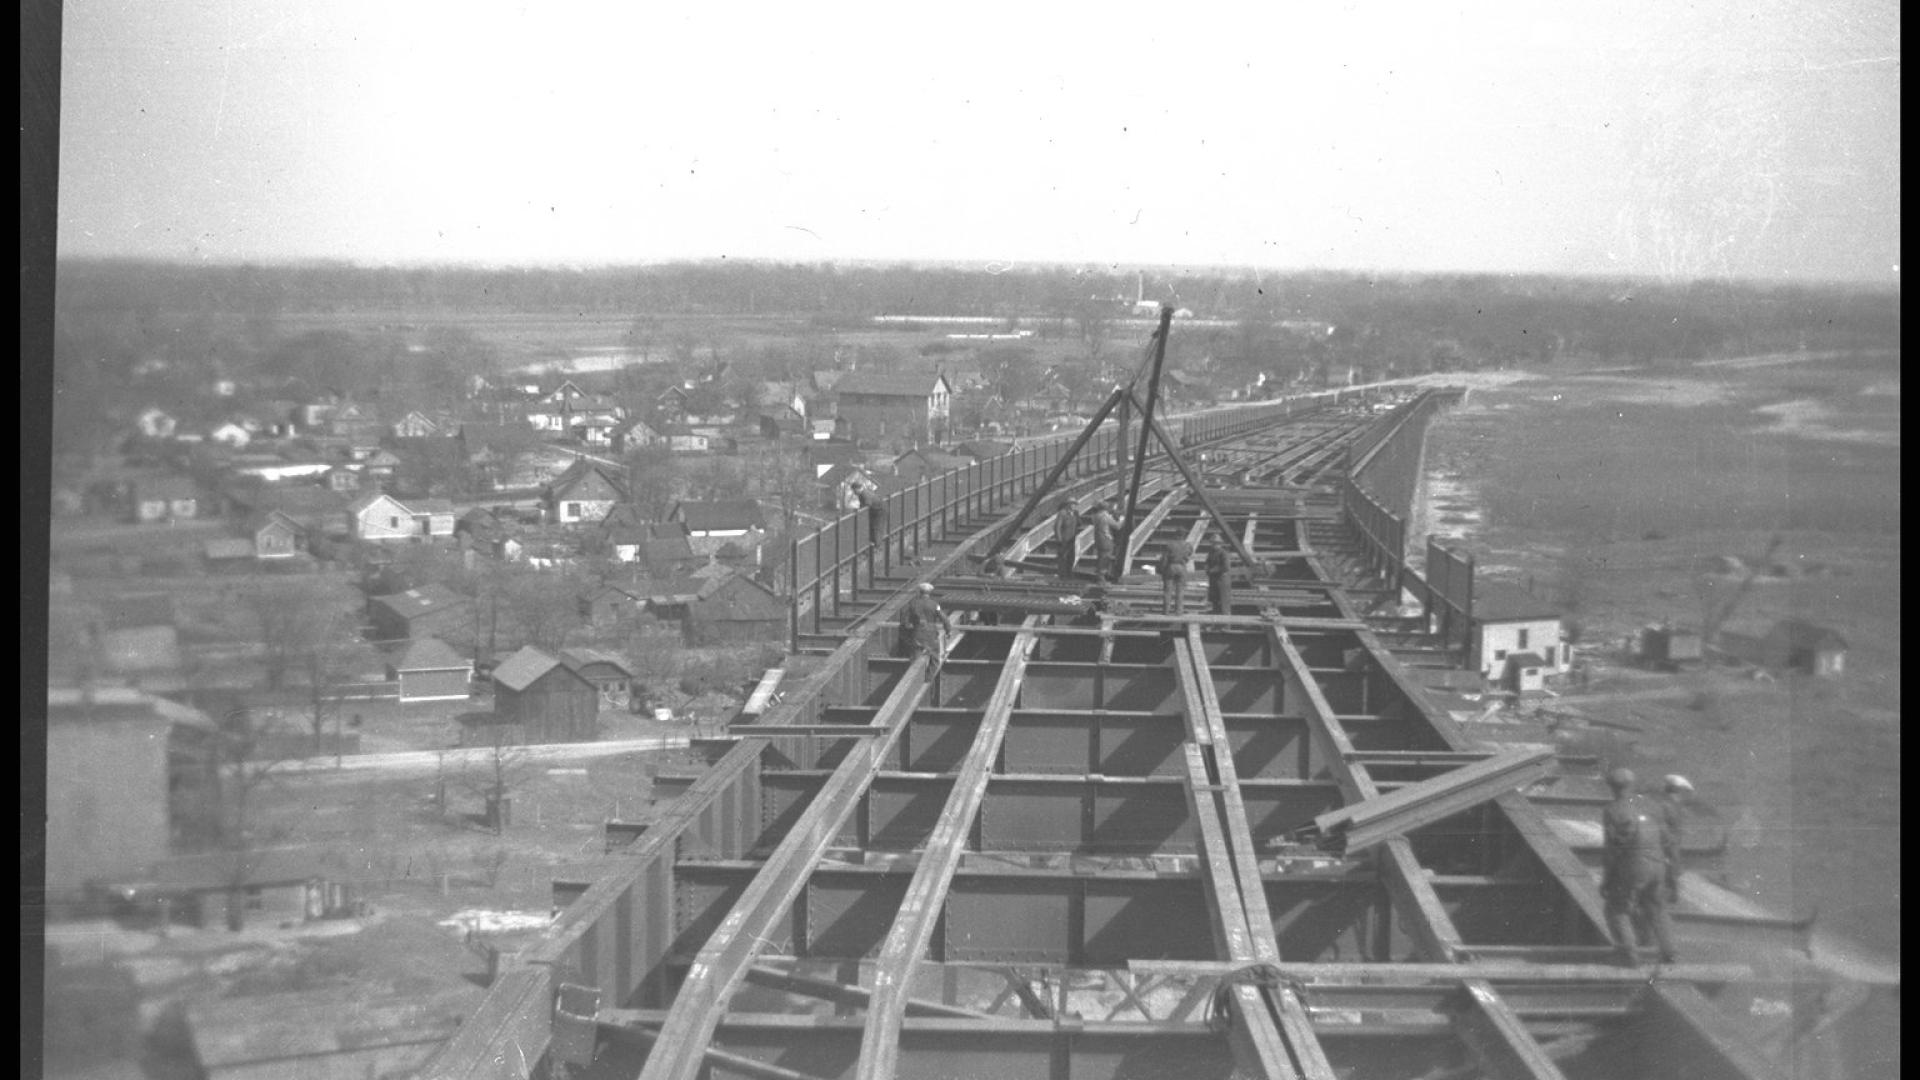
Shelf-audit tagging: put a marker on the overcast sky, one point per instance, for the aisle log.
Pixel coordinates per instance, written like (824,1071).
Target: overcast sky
(1753,138)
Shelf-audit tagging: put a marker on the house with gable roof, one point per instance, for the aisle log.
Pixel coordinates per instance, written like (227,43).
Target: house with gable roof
(713,525)
(884,407)
(545,698)
(587,492)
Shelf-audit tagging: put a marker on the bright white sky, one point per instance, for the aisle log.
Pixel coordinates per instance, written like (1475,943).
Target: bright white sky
(1758,138)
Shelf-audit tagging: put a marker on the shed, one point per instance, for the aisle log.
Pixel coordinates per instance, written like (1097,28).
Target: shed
(1525,672)
(430,670)
(1799,645)
(1670,646)
(605,605)
(548,700)
(429,611)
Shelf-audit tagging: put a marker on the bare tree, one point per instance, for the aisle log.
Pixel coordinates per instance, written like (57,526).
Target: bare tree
(248,756)
(496,775)
(297,619)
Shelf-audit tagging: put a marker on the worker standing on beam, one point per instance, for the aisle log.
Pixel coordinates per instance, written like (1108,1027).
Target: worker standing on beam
(1674,791)
(1173,576)
(926,627)
(1219,589)
(1633,878)
(876,515)
(1066,533)
(1104,523)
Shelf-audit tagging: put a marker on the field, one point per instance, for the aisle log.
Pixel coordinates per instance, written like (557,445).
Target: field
(1638,497)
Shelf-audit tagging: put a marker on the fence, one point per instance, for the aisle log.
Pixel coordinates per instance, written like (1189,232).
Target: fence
(1376,498)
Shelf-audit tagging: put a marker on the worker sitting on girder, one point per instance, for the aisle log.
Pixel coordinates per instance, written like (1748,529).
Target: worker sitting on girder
(1066,533)
(1219,589)
(925,627)
(1173,576)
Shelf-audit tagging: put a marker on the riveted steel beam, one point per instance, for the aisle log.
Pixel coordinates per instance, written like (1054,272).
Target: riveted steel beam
(727,954)
(913,925)
(1359,826)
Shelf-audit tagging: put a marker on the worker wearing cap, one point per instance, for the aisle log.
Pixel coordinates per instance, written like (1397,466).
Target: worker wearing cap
(1103,525)
(1674,791)
(1633,878)
(925,625)
(1219,589)
(1066,533)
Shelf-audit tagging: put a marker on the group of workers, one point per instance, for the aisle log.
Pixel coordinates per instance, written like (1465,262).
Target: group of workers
(1640,875)
(1175,559)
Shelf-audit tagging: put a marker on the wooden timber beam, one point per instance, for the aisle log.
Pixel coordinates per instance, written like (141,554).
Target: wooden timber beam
(926,895)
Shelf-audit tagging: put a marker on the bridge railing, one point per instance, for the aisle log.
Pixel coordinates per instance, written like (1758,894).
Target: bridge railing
(1376,498)
(828,565)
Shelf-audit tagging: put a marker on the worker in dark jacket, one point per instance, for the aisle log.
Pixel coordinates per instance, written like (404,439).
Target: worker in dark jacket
(1066,533)
(925,627)
(1173,576)
(1219,590)
(876,508)
(1104,523)
(1634,872)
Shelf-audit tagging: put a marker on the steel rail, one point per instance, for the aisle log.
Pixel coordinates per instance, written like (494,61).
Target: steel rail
(913,925)
(1209,732)
(725,957)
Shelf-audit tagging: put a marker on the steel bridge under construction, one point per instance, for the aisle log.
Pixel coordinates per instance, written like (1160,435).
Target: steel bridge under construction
(1103,841)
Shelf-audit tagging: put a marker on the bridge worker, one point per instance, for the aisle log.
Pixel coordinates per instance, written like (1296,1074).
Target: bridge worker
(925,626)
(1219,590)
(876,509)
(1066,531)
(1173,576)
(1104,523)
(1633,878)
(1674,790)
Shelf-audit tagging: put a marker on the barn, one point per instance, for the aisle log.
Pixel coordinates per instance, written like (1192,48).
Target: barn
(543,697)
(429,670)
